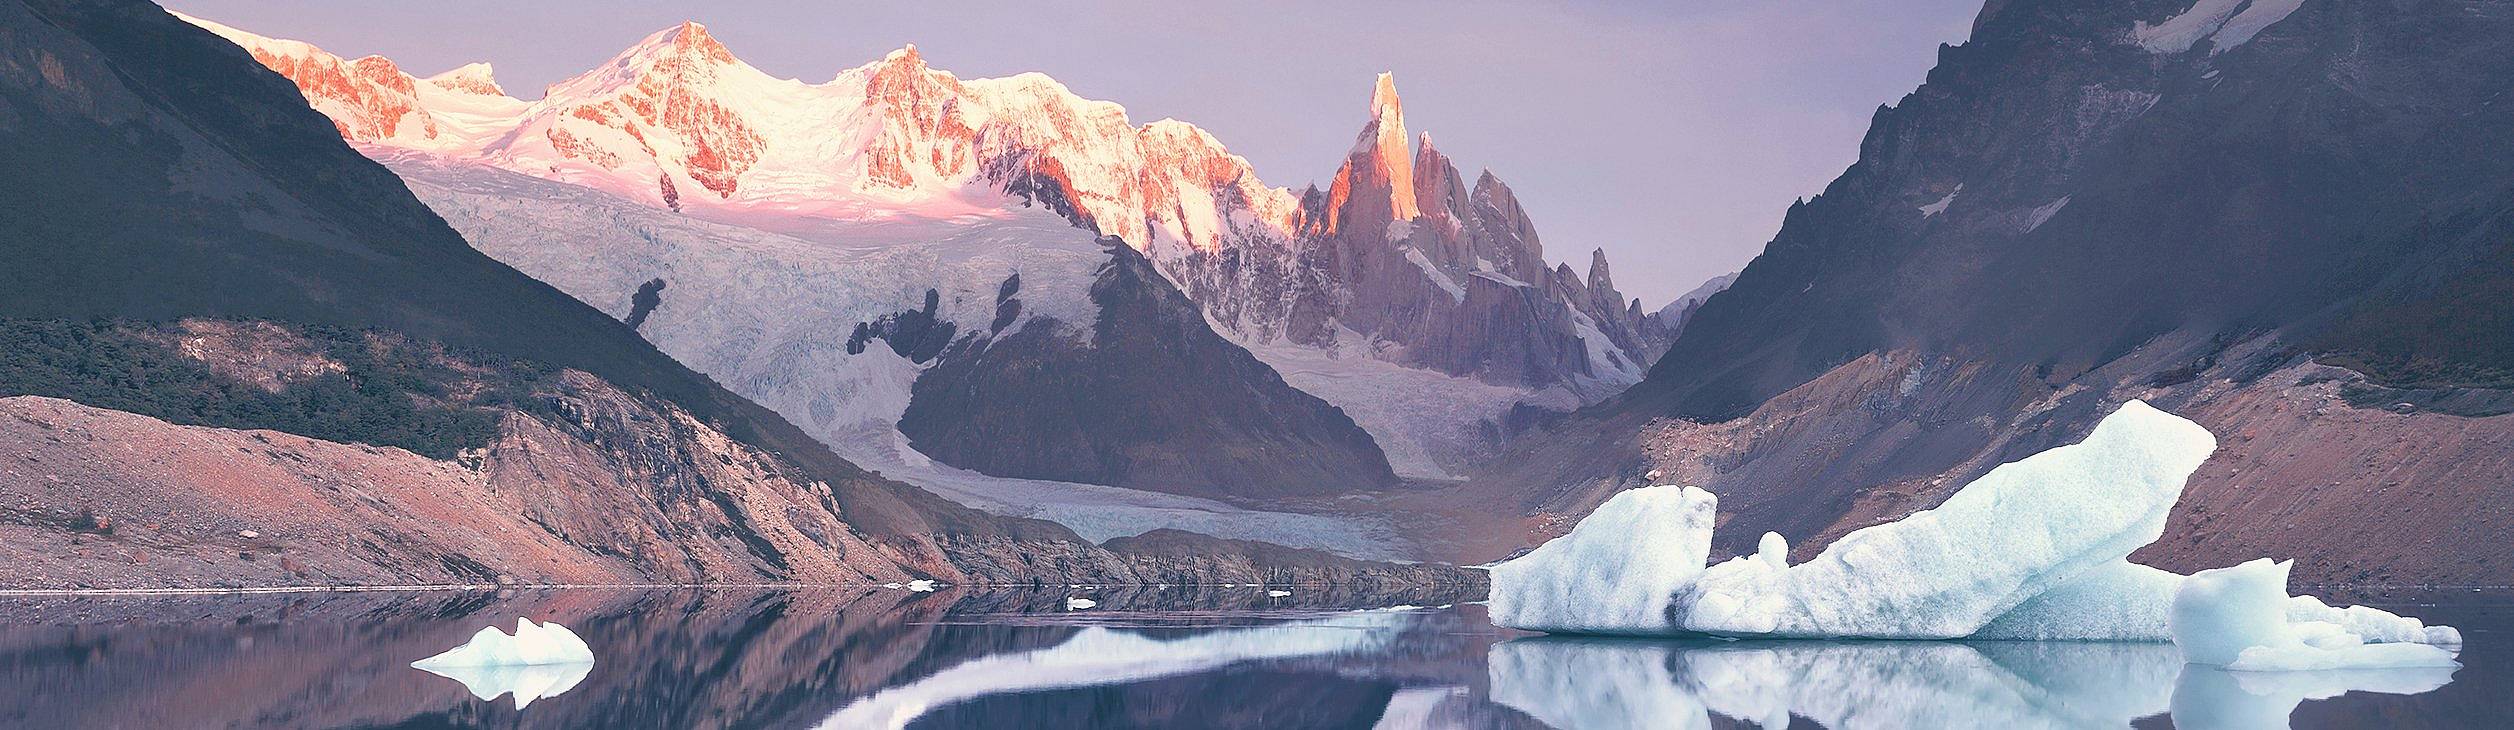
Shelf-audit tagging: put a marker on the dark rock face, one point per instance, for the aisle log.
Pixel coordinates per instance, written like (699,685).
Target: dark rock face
(2103,194)
(2064,217)
(1154,400)
(642,304)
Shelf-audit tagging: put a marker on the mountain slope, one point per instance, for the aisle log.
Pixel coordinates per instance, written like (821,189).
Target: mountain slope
(2094,201)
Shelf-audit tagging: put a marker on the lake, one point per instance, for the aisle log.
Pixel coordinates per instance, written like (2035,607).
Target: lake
(1200,657)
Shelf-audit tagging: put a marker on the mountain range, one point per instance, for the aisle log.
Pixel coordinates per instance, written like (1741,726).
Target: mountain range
(1415,303)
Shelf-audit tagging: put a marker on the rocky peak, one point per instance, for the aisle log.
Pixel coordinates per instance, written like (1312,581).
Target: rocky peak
(1599,280)
(1377,180)
(691,40)
(472,78)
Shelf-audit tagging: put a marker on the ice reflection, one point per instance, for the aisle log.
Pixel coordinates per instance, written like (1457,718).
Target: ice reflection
(1099,656)
(1611,683)
(527,682)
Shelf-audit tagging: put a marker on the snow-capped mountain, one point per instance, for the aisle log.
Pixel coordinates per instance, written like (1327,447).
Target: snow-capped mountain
(1419,304)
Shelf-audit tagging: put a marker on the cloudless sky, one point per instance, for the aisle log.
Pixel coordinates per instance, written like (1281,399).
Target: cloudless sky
(1672,134)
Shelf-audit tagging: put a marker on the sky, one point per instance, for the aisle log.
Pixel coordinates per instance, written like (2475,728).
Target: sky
(1672,134)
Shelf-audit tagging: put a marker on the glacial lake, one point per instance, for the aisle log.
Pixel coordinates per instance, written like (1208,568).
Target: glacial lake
(1193,657)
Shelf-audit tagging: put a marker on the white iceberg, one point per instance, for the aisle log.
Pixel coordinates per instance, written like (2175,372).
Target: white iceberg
(2035,549)
(539,660)
(2125,601)
(2238,618)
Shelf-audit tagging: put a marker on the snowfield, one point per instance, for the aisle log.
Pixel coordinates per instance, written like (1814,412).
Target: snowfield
(2032,550)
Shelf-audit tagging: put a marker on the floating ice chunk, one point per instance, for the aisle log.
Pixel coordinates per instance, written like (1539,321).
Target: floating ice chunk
(2124,601)
(2020,530)
(1077,603)
(532,644)
(539,660)
(1616,571)
(2237,618)
(2033,550)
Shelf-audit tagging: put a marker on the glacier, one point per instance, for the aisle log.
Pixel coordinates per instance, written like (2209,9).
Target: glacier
(539,660)
(2035,549)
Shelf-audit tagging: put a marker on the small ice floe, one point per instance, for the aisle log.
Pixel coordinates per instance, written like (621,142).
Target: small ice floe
(2238,618)
(1277,594)
(921,586)
(1077,603)
(537,661)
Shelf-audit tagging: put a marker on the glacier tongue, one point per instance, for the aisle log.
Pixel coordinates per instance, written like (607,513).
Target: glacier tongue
(2035,549)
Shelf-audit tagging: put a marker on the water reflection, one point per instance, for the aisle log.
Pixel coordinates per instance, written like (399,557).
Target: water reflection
(1616,683)
(1206,658)
(527,682)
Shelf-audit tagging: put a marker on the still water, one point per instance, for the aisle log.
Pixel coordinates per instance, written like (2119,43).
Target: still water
(1207,657)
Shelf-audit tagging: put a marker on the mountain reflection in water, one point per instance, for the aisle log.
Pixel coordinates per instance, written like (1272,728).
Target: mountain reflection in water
(1176,657)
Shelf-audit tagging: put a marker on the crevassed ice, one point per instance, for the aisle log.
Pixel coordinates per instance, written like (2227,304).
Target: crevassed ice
(2032,550)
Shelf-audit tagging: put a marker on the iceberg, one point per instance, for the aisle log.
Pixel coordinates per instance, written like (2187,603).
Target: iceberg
(2238,618)
(2035,549)
(539,660)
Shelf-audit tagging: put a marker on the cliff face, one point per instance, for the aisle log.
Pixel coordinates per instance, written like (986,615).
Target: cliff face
(2090,202)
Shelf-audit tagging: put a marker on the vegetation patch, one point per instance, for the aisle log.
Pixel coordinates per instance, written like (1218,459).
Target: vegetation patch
(345,385)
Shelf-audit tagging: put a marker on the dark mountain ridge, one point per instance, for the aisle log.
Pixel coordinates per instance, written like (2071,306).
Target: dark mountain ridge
(2189,203)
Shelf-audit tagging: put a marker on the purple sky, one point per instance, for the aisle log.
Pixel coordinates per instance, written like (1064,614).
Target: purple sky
(1672,134)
